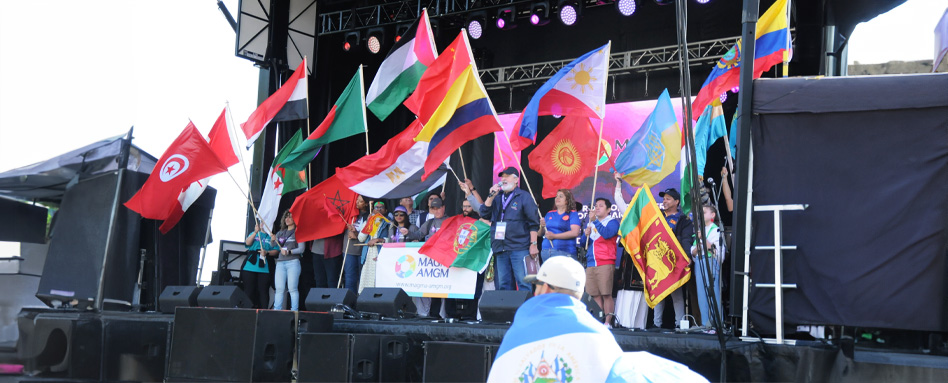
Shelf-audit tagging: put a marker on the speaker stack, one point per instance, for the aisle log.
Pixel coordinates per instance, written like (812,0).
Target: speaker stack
(499,306)
(328,357)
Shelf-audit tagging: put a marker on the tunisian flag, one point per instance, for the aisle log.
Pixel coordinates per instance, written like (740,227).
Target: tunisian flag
(318,210)
(188,159)
(566,156)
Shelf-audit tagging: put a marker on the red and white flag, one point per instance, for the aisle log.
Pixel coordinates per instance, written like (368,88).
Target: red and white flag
(220,140)
(286,104)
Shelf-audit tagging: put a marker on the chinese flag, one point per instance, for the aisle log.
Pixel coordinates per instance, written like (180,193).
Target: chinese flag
(311,210)
(566,156)
(188,159)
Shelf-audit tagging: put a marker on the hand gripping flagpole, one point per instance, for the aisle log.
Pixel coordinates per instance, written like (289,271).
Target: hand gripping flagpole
(592,201)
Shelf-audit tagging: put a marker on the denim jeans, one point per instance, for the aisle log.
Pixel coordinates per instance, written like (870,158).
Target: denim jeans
(352,271)
(547,253)
(510,270)
(287,278)
(714,280)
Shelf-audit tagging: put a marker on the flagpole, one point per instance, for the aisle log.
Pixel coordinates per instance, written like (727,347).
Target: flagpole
(463,169)
(364,120)
(309,165)
(592,201)
(501,152)
(524,177)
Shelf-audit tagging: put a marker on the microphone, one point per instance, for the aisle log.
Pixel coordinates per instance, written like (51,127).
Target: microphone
(711,180)
(494,192)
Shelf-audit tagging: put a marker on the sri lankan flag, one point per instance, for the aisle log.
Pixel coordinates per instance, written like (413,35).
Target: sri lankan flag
(655,251)
(374,224)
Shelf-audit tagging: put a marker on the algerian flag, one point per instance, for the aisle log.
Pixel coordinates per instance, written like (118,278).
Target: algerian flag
(399,73)
(279,182)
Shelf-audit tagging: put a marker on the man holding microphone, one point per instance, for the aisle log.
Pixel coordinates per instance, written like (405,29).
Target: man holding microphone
(515,221)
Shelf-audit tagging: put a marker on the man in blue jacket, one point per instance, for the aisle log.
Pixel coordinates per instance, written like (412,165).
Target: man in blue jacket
(515,221)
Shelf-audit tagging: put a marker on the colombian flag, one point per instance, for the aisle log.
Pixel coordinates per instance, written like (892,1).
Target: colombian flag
(772,47)
(655,251)
(464,114)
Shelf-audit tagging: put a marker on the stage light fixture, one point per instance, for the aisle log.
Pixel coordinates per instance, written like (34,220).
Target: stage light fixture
(702,1)
(569,12)
(735,89)
(374,42)
(505,18)
(400,31)
(723,97)
(664,2)
(540,13)
(626,7)
(475,25)
(352,40)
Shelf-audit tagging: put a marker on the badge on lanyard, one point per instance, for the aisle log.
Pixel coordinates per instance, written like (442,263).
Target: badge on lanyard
(501,232)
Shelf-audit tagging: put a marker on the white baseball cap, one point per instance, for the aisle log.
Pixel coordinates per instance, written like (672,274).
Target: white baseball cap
(560,271)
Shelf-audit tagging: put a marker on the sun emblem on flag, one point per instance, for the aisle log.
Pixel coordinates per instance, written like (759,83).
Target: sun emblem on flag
(582,77)
(566,158)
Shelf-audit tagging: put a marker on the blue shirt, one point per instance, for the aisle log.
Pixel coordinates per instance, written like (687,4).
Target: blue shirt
(673,219)
(260,267)
(560,223)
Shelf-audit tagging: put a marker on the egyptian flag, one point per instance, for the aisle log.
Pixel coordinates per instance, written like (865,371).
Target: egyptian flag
(286,104)
(566,156)
(398,75)
(395,170)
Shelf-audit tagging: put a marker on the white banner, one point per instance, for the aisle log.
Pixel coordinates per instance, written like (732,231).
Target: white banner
(400,265)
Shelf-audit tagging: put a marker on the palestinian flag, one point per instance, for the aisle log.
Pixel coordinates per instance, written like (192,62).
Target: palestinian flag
(655,251)
(346,118)
(279,182)
(461,242)
(399,73)
(286,104)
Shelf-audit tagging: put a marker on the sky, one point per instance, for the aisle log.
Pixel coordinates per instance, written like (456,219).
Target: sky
(75,72)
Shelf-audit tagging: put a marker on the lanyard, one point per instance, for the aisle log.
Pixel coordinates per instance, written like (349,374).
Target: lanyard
(505,201)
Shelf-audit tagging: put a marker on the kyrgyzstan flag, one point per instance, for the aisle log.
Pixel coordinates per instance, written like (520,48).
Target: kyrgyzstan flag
(461,242)
(346,118)
(314,217)
(188,159)
(655,251)
(566,156)
(395,170)
(399,73)
(286,104)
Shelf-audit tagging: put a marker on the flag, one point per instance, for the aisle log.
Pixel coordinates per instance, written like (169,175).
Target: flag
(286,104)
(566,156)
(464,114)
(346,118)
(438,78)
(461,242)
(279,182)
(772,46)
(311,210)
(220,142)
(655,251)
(402,68)
(188,159)
(732,135)
(395,170)
(710,127)
(654,150)
(186,198)
(941,41)
(374,224)
(579,89)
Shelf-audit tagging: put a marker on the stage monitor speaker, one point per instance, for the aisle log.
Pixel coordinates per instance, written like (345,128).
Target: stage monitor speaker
(326,357)
(178,296)
(386,301)
(223,296)
(235,345)
(135,347)
(63,345)
(593,308)
(323,299)
(310,322)
(500,305)
(457,362)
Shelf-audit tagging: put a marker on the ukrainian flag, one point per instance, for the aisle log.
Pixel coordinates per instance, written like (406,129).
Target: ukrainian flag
(465,114)
(654,150)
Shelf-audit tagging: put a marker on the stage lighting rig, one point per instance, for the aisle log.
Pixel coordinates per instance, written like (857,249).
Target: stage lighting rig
(400,31)
(352,40)
(506,18)
(569,11)
(626,7)
(540,13)
(374,42)
(702,1)
(475,25)
(664,2)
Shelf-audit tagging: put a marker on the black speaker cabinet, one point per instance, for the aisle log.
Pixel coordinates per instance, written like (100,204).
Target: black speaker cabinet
(178,296)
(135,347)
(457,361)
(314,322)
(63,345)
(501,305)
(231,345)
(223,296)
(323,299)
(387,301)
(327,357)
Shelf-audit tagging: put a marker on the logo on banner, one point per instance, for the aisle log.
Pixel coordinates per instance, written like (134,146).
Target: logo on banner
(173,167)
(405,266)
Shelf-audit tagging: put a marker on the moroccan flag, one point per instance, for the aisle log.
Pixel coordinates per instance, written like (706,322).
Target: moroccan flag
(314,220)
(465,113)
(655,251)
(373,224)
(439,77)
(654,150)
(286,104)
(771,47)
(461,242)
(566,156)
(188,159)
(346,118)
(402,68)
(577,89)
(279,182)
(395,170)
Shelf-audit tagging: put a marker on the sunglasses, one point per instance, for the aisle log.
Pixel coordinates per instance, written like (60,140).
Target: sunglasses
(401,215)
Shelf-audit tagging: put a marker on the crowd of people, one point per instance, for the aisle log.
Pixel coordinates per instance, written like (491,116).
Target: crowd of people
(519,234)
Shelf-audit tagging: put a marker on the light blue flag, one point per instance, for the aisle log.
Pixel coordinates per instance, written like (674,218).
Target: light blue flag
(710,128)
(644,367)
(732,137)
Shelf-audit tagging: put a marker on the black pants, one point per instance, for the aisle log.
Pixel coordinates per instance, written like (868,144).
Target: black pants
(326,270)
(257,287)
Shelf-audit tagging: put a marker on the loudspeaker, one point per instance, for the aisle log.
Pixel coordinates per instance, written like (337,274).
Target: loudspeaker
(135,348)
(310,322)
(457,361)
(63,345)
(501,305)
(593,308)
(174,296)
(323,299)
(324,357)
(389,302)
(353,358)
(223,296)
(235,345)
